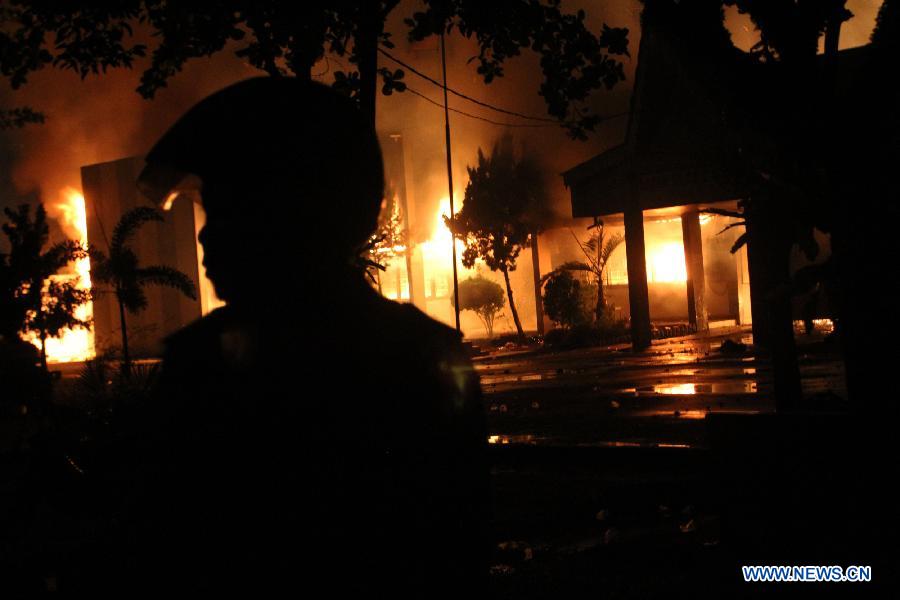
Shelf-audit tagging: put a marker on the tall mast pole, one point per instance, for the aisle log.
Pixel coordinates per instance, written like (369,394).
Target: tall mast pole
(450,179)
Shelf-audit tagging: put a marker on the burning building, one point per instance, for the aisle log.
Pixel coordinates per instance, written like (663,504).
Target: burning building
(681,155)
(421,272)
(74,344)
(109,192)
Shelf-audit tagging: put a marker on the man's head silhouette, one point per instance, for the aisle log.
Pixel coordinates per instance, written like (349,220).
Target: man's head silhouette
(291,179)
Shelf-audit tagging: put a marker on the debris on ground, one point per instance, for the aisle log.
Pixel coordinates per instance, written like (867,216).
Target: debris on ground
(732,347)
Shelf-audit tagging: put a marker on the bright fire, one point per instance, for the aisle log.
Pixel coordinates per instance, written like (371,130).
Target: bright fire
(437,251)
(75,344)
(437,262)
(665,263)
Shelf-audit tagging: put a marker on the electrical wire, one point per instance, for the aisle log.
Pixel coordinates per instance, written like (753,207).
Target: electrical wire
(464,96)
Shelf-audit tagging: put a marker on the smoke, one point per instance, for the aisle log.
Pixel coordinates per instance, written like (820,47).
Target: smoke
(422,123)
(102,118)
(94,120)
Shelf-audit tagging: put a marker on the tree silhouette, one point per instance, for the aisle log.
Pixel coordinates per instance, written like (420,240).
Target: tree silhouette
(12,118)
(496,221)
(787,145)
(388,241)
(33,301)
(121,269)
(483,297)
(284,38)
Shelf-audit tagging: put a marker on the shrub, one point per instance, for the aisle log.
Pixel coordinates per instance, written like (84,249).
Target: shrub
(483,297)
(564,300)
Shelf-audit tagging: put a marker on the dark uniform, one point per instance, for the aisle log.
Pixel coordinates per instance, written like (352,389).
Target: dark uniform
(311,434)
(344,450)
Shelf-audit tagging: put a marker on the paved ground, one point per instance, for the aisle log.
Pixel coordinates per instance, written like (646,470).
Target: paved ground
(613,396)
(603,486)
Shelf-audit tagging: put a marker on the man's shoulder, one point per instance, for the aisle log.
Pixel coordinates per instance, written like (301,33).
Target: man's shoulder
(407,320)
(202,332)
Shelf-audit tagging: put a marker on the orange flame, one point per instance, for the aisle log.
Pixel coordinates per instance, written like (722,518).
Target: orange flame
(665,263)
(74,345)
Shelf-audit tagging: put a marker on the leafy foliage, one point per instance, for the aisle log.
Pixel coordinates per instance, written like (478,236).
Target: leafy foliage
(503,199)
(597,250)
(794,218)
(734,214)
(388,241)
(573,61)
(122,271)
(12,118)
(282,38)
(789,30)
(57,310)
(103,388)
(484,298)
(564,299)
(32,301)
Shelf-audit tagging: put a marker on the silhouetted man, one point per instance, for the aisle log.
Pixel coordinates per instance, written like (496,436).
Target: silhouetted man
(310,433)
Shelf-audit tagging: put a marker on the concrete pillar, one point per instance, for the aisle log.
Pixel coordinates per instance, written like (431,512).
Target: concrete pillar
(744,314)
(759,284)
(698,315)
(638,295)
(419,295)
(536,269)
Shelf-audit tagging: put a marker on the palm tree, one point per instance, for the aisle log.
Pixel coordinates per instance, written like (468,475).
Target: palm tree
(122,271)
(597,250)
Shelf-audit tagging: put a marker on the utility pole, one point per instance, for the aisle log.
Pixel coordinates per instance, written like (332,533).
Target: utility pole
(450,180)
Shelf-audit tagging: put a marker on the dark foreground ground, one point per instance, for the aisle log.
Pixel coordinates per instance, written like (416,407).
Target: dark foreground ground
(627,475)
(658,474)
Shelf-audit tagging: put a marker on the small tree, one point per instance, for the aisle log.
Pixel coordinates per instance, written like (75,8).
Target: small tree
(33,301)
(597,250)
(121,270)
(388,241)
(56,313)
(484,298)
(496,221)
(564,299)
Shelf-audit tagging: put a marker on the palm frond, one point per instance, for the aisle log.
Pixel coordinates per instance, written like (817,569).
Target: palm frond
(729,226)
(129,224)
(742,239)
(572,265)
(611,244)
(168,277)
(589,255)
(132,297)
(722,212)
(100,265)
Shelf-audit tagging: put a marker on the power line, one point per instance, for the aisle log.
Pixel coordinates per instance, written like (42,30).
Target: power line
(461,95)
(548,122)
(471,116)
(450,178)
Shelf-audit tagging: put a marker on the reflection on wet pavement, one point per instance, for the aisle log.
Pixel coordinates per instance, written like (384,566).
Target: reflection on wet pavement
(724,387)
(614,396)
(533,440)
